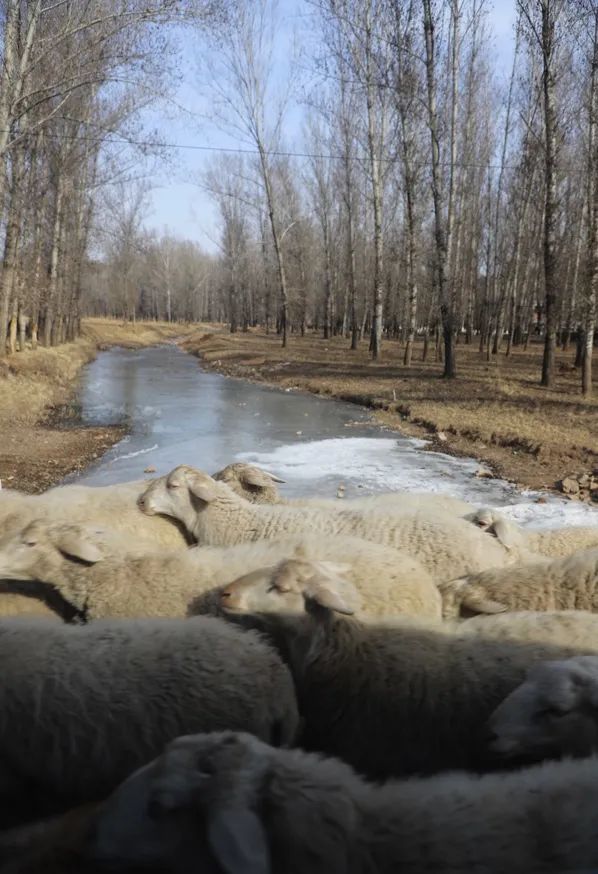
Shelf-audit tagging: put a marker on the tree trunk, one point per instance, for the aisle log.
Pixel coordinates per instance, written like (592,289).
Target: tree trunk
(550,214)
(411,274)
(284,298)
(574,280)
(592,283)
(439,221)
(327,283)
(378,291)
(52,314)
(11,244)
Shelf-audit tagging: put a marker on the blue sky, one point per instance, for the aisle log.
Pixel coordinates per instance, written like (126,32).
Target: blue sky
(178,203)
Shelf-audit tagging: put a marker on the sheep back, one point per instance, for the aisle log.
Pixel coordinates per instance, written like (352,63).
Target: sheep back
(100,700)
(409,697)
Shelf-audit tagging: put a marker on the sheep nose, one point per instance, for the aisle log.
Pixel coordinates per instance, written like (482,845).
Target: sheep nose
(229,598)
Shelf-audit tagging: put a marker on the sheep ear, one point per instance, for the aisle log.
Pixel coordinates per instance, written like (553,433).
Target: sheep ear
(479,604)
(323,592)
(76,544)
(254,476)
(238,841)
(276,479)
(202,486)
(505,533)
(333,568)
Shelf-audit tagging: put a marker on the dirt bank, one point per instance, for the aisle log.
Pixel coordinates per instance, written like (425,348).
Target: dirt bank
(495,411)
(39,445)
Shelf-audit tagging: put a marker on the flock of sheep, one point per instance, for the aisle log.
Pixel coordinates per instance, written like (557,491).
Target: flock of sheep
(198,675)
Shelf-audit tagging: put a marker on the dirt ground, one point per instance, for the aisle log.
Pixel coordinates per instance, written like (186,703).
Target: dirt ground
(495,411)
(40,443)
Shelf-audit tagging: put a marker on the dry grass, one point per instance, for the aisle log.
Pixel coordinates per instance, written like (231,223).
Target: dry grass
(132,335)
(495,410)
(32,382)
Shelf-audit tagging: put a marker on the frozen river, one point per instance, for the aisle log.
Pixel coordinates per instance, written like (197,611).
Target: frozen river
(179,414)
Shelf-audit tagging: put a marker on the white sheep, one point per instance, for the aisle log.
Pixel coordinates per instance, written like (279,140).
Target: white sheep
(112,506)
(13,506)
(553,543)
(259,487)
(379,595)
(408,696)
(569,583)
(13,603)
(553,713)
(90,579)
(229,802)
(213,514)
(83,706)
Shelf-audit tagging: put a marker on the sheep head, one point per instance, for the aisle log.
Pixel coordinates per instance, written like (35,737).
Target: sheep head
(295,586)
(40,550)
(494,523)
(183,493)
(250,482)
(154,818)
(553,713)
(464,597)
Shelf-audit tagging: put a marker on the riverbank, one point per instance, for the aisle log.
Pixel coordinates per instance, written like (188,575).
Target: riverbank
(41,440)
(495,411)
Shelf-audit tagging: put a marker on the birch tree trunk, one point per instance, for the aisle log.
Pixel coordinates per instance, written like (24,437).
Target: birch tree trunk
(592,283)
(11,243)
(378,291)
(550,169)
(440,235)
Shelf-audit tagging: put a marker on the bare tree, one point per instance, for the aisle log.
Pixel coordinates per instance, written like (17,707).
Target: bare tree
(592,199)
(242,81)
(226,181)
(408,92)
(441,225)
(543,18)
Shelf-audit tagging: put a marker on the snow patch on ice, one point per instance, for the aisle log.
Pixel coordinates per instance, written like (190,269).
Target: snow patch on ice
(368,466)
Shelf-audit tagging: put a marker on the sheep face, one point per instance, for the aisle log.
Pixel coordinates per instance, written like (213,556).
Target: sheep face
(39,551)
(483,518)
(155,818)
(181,494)
(460,599)
(250,482)
(553,713)
(289,588)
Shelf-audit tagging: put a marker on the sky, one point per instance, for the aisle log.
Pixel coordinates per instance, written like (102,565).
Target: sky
(177,203)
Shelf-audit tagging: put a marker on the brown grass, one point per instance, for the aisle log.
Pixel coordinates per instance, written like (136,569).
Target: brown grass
(132,335)
(495,411)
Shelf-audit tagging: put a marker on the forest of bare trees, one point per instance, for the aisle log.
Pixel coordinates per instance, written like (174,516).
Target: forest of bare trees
(436,197)
(73,79)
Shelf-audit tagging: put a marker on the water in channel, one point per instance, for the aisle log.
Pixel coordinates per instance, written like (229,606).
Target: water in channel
(180,414)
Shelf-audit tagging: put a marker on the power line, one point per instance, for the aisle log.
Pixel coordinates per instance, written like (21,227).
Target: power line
(242,150)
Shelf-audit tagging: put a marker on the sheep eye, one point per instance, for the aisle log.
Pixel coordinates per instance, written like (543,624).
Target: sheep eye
(172,486)
(30,542)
